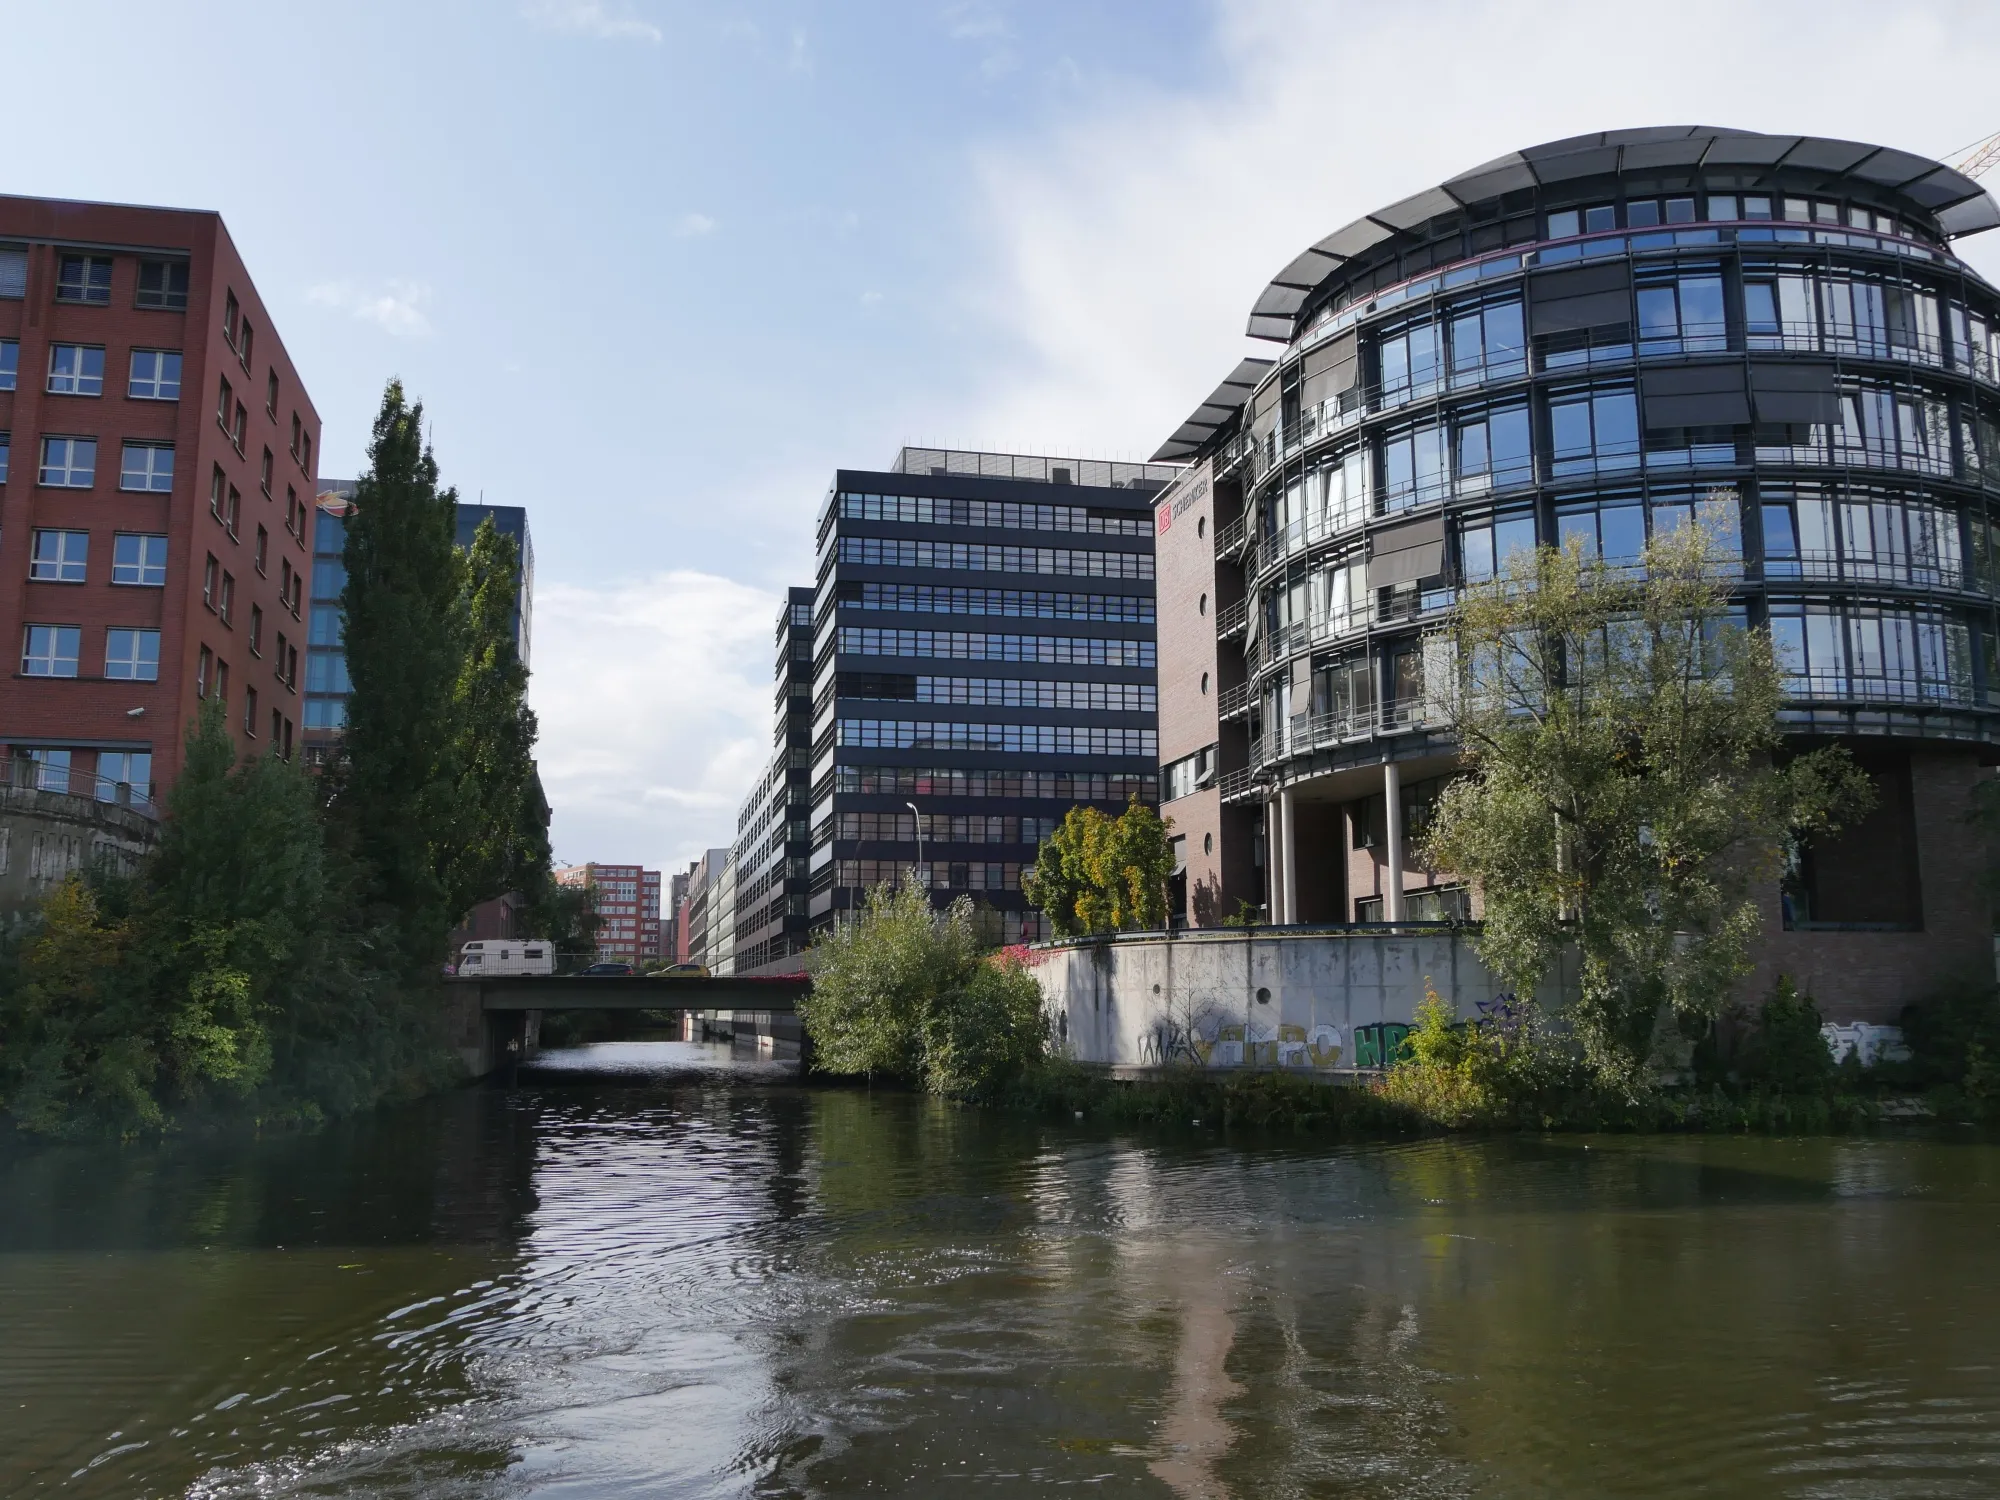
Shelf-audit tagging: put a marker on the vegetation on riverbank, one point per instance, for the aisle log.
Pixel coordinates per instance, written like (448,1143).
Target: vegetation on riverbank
(276,957)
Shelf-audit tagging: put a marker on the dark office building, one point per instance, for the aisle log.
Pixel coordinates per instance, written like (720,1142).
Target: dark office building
(1592,341)
(983,660)
(773,831)
(326,660)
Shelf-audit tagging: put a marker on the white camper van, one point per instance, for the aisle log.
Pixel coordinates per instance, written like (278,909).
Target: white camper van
(489,958)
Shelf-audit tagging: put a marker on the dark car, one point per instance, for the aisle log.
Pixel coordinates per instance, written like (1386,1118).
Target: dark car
(608,971)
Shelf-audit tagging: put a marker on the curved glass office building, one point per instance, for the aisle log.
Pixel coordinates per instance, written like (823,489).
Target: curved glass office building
(1594,339)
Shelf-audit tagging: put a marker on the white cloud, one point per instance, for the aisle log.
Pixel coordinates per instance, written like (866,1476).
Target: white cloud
(1131,241)
(693,226)
(399,310)
(591,18)
(984,27)
(654,696)
(871,300)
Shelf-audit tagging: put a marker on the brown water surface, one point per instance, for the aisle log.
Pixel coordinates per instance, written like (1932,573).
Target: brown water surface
(649,1272)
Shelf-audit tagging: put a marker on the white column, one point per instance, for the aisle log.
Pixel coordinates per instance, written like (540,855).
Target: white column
(1272,895)
(1392,815)
(1292,858)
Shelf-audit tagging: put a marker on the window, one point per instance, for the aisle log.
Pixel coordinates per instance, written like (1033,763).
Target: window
(163,283)
(1493,450)
(297,429)
(226,603)
(147,466)
(250,712)
(1487,545)
(1564,225)
(51,768)
(10,363)
(51,650)
(285,582)
(69,463)
(76,370)
(1411,360)
(1615,532)
(132,655)
(256,630)
(240,426)
(326,672)
(263,547)
(1682,315)
(156,375)
(83,278)
(58,556)
(211,574)
(306,452)
(6,454)
(130,769)
(225,398)
(1593,430)
(204,669)
(295,514)
(271,395)
(1413,467)
(1487,343)
(139,558)
(230,314)
(264,474)
(221,681)
(245,343)
(292,667)
(326,625)
(278,657)
(13,271)
(231,509)
(277,720)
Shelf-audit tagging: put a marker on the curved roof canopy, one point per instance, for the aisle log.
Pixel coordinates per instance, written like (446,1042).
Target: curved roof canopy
(1957,203)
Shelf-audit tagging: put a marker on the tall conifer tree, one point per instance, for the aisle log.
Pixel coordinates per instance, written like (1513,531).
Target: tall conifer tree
(399,787)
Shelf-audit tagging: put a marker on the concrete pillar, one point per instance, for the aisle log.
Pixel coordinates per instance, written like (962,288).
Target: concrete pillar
(1289,805)
(1273,897)
(1392,836)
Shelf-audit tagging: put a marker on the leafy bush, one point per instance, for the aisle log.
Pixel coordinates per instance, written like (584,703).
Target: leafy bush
(904,992)
(1785,1051)
(1510,1066)
(1954,1041)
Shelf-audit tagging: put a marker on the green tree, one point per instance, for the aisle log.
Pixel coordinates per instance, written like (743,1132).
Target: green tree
(1097,873)
(1625,787)
(399,782)
(903,991)
(495,841)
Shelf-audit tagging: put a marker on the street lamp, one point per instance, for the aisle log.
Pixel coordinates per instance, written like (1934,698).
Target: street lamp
(919,821)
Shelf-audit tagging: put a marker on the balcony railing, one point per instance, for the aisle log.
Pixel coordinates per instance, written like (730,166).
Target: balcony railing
(1229,539)
(1309,732)
(1233,702)
(40,775)
(1232,619)
(1401,608)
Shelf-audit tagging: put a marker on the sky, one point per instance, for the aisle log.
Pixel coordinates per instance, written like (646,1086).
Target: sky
(657,268)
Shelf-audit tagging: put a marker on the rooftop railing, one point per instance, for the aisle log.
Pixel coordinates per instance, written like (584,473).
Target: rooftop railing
(40,775)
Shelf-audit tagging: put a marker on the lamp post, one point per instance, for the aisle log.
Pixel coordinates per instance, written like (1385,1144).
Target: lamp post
(919,824)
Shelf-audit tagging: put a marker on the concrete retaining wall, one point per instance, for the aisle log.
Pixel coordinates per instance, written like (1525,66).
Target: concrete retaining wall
(46,836)
(1311,999)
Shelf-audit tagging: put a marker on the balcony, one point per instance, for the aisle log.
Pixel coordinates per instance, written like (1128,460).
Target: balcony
(1229,539)
(1233,702)
(1232,620)
(1309,732)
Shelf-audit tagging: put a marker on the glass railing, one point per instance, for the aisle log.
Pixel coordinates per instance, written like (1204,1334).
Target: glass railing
(1831,567)
(1308,732)
(44,776)
(1903,687)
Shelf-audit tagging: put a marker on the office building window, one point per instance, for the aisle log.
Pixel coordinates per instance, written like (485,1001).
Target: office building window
(130,769)
(326,713)
(10,363)
(231,508)
(221,681)
(83,278)
(139,558)
(326,672)
(1593,430)
(211,576)
(1682,314)
(133,655)
(58,556)
(76,370)
(306,452)
(263,547)
(1487,545)
(256,630)
(147,466)
(13,272)
(51,650)
(264,473)
(204,668)
(250,712)
(239,426)
(163,284)
(52,768)
(325,625)
(69,463)
(231,313)
(6,454)
(271,395)
(225,398)
(297,428)
(156,375)
(245,343)
(226,601)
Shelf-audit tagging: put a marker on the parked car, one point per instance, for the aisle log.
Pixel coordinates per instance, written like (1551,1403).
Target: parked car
(608,971)
(684,971)
(488,958)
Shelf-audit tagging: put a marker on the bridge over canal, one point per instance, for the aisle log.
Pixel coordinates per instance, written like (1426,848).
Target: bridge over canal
(500,1018)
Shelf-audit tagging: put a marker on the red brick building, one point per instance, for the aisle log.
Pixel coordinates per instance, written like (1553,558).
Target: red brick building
(628,909)
(157,454)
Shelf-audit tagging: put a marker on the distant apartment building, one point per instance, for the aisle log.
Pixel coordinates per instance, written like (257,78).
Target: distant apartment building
(983,660)
(704,908)
(327,684)
(774,829)
(628,900)
(157,453)
(673,920)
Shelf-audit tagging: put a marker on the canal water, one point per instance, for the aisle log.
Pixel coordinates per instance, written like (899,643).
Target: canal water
(648,1271)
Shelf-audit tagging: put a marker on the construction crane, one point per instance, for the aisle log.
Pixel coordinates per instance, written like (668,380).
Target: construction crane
(1978,158)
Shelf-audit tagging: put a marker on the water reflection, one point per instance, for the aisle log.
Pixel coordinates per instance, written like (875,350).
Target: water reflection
(643,1273)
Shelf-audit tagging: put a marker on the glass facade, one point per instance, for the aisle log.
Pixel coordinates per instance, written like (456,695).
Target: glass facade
(993,757)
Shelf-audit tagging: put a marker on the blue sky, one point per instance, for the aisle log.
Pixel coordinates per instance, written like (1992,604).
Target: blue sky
(658,267)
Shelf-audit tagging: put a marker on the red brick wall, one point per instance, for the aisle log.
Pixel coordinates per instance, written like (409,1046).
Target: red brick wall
(90,708)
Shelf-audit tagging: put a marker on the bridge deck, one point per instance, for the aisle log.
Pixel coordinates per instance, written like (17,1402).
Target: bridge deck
(574,992)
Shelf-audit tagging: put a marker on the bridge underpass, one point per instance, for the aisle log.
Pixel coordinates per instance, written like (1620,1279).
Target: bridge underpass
(500,1017)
